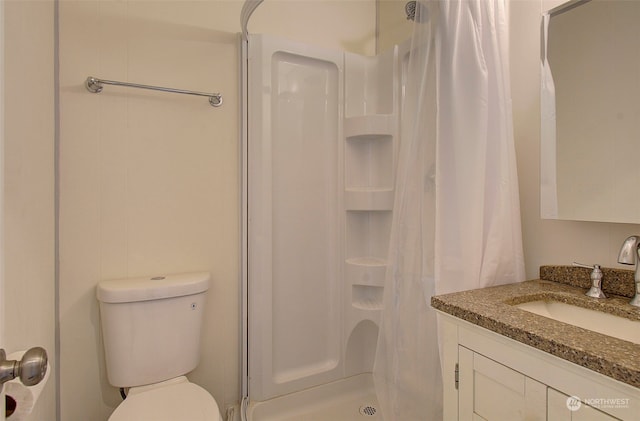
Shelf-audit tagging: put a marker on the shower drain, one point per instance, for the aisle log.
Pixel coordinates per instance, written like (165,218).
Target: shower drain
(368,410)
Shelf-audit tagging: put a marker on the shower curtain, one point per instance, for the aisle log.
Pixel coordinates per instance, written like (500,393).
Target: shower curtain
(456,221)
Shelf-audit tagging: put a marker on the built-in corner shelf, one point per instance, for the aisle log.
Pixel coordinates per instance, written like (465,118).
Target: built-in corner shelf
(366,274)
(365,297)
(368,199)
(369,148)
(369,162)
(366,270)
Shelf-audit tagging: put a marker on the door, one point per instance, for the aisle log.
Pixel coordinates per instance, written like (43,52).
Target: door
(490,391)
(2,102)
(27,180)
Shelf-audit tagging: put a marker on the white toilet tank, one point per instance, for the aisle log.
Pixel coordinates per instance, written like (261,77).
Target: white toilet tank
(151,326)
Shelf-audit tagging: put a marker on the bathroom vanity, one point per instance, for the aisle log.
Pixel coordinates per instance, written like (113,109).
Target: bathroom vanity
(502,362)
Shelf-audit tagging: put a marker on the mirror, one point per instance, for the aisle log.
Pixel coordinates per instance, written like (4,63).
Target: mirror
(590,97)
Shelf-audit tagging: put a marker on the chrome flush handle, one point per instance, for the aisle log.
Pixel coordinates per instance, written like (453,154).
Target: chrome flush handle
(30,369)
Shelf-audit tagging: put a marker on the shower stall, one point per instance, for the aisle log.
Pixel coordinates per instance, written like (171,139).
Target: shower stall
(321,132)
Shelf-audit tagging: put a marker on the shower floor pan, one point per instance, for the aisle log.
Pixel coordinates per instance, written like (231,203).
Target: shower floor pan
(351,399)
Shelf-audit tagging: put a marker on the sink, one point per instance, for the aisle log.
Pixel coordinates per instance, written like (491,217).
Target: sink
(597,321)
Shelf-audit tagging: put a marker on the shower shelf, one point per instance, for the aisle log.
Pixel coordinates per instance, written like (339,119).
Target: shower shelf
(368,199)
(368,271)
(365,297)
(368,168)
(369,125)
(367,261)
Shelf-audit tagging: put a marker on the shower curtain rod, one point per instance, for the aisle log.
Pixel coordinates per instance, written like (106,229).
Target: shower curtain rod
(248,8)
(94,85)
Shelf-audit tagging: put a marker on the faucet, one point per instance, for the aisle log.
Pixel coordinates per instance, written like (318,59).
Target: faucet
(630,255)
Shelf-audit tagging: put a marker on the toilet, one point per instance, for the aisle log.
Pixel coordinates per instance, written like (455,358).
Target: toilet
(151,329)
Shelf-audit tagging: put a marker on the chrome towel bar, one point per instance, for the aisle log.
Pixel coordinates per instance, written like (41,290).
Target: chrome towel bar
(94,85)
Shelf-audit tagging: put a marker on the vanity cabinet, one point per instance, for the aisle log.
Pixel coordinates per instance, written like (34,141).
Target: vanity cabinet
(487,376)
(492,391)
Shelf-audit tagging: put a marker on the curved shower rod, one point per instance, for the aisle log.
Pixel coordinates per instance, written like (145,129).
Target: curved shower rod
(248,8)
(94,85)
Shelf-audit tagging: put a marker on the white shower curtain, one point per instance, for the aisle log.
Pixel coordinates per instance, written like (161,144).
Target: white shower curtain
(456,221)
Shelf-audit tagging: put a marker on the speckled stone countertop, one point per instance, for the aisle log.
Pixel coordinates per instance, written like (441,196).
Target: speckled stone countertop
(492,308)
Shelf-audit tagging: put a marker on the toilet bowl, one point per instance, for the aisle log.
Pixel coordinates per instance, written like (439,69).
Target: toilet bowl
(172,400)
(151,330)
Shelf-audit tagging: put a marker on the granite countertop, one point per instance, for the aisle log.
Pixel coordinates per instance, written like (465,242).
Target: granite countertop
(492,308)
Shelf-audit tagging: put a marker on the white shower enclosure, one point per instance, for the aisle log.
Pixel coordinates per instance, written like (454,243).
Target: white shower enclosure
(322,134)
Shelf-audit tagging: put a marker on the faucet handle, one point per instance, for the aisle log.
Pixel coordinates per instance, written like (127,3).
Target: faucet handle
(596,280)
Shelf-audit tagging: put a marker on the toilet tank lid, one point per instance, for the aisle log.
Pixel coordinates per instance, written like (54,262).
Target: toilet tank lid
(152,287)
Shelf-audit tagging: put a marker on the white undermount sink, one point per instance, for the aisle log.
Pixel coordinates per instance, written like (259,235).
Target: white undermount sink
(597,321)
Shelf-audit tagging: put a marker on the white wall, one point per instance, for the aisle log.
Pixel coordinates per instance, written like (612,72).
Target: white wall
(149,181)
(29,224)
(393,25)
(347,25)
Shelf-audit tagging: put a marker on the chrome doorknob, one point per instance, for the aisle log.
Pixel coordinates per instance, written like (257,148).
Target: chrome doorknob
(30,369)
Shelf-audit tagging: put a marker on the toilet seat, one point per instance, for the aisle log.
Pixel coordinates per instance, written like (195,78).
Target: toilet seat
(173,400)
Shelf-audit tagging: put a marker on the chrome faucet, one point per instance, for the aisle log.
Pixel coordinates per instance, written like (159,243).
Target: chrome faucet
(630,255)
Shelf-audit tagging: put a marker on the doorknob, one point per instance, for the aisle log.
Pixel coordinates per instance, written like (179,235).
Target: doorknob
(30,369)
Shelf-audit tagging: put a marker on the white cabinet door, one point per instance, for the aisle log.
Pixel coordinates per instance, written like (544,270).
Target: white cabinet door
(557,407)
(562,407)
(493,392)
